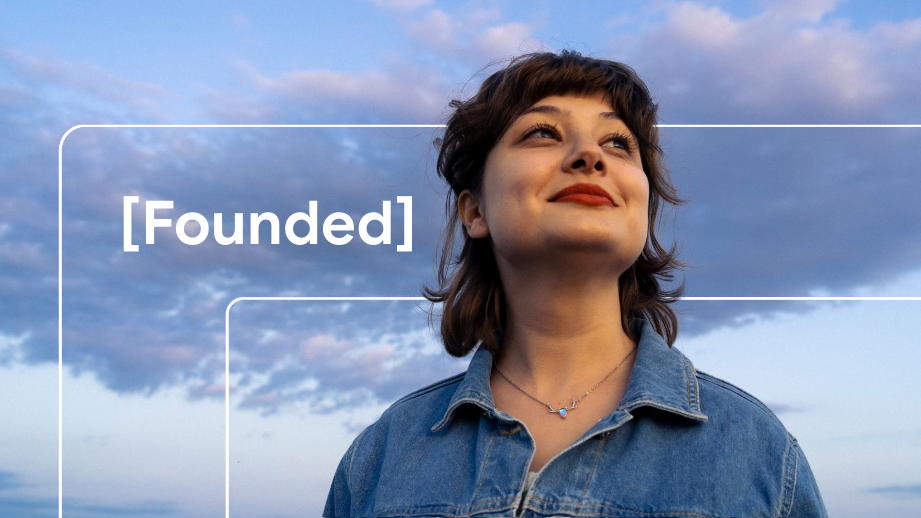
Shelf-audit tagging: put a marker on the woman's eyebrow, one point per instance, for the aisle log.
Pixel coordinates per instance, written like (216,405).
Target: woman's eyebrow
(611,116)
(549,109)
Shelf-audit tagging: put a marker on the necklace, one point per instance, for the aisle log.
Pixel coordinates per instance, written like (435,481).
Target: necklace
(564,410)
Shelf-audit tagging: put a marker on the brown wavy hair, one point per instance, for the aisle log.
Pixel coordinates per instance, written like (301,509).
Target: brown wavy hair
(469,287)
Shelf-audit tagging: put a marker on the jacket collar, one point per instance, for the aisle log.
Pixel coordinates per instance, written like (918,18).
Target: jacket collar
(662,378)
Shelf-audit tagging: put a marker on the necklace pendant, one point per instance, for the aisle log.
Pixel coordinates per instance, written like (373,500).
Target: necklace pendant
(562,411)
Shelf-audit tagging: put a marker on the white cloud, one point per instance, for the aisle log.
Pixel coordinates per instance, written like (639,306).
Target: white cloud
(710,27)
(85,78)
(401,5)
(503,40)
(412,93)
(802,10)
(237,108)
(790,61)
(25,255)
(902,35)
(476,36)
(436,29)
(11,346)
(238,19)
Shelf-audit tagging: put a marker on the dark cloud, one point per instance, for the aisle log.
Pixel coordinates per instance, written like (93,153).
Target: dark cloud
(144,508)
(907,491)
(8,480)
(12,504)
(793,213)
(781,408)
(29,507)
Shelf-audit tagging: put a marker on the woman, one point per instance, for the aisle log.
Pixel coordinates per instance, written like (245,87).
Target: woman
(574,403)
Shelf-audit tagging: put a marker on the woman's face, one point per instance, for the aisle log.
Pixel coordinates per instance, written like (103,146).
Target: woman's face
(566,177)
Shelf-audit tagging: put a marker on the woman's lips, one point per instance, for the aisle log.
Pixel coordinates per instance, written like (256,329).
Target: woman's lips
(585,193)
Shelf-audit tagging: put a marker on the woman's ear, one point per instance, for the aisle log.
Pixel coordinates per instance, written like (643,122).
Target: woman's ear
(471,215)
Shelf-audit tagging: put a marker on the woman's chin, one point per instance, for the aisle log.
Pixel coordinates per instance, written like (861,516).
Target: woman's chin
(576,250)
(595,239)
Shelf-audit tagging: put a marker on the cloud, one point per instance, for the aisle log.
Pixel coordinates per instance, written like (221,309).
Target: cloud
(8,481)
(812,11)
(406,94)
(401,6)
(435,28)
(238,108)
(907,491)
(237,18)
(47,507)
(143,321)
(85,78)
(403,90)
(359,368)
(11,350)
(710,27)
(143,508)
(781,408)
(503,40)
(12,504)
(794,62)
(902,35)
(29,507)
(762,221)
(475,36)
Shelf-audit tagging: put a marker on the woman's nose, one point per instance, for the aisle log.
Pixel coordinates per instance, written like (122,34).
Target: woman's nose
(585,157)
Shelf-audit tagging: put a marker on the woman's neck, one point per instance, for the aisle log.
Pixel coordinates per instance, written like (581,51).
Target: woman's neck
(562,331)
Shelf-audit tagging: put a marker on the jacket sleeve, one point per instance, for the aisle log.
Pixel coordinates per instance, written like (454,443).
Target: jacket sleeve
(807,501)
(339,500)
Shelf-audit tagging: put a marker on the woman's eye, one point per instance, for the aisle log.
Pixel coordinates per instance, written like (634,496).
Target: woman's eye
(541,132)
(618,143)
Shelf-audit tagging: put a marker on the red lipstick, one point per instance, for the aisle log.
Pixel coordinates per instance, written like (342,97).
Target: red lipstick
(585,193)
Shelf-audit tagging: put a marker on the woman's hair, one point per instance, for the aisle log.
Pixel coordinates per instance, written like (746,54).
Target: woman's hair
(469,286)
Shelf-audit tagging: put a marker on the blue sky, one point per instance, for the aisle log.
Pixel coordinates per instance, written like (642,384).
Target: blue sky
(770,212)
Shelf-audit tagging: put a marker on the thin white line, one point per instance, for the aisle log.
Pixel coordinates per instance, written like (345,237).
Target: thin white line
(788,125)
(61,325)
(256,126)
(680,298)
(800,298)
(227,410)
(323,298)
(442,126)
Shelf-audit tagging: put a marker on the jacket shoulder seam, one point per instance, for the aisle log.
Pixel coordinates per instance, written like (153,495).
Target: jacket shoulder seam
(350,456)
(729,387)
(791,461)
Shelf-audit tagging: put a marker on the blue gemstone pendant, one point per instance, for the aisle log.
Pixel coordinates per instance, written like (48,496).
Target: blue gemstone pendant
(563,410)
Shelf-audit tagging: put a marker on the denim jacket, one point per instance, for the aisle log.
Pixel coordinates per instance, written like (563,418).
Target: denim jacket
(681,444)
